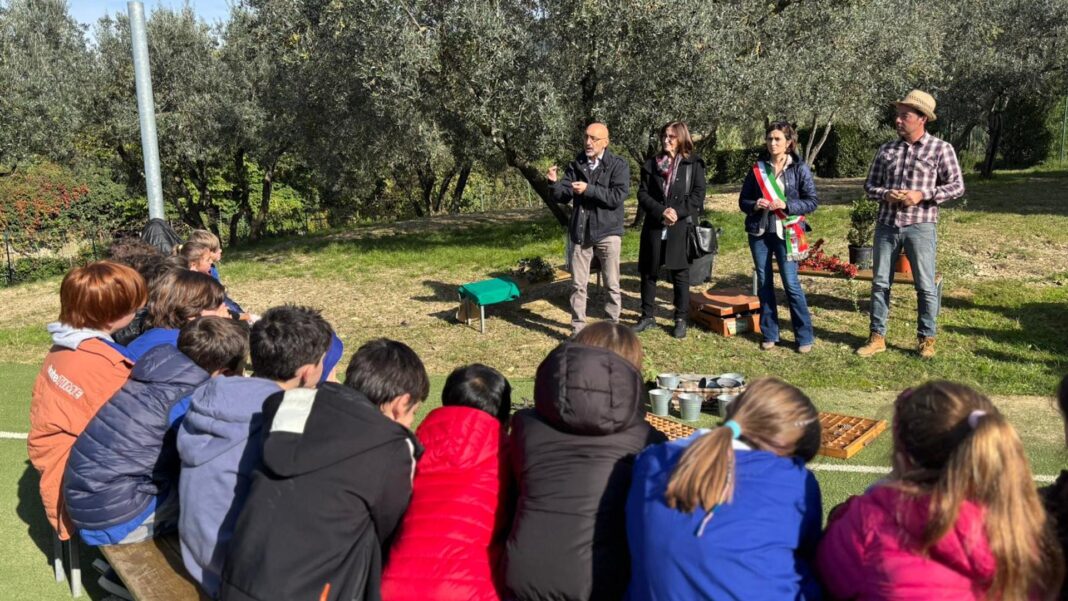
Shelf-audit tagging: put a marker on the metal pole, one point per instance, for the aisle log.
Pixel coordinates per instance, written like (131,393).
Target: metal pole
(146,109)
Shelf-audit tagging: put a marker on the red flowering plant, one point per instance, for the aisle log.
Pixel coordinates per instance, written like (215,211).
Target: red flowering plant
(819,261)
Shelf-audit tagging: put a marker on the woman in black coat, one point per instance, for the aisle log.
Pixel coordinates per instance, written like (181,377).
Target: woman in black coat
(672,191)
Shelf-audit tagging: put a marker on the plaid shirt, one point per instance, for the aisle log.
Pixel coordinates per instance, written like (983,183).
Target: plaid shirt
(928,165)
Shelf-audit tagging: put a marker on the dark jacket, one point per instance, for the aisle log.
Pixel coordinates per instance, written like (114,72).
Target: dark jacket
(136,327)
(126,459)
(572,456)
(335,482)
(687,197)
(800,194)
(598,213)
(1055,498)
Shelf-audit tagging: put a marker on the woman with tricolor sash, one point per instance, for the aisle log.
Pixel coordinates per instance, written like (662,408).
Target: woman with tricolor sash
(777,194)
(672,194)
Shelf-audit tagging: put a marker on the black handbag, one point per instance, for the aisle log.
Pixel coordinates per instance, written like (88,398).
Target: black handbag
(701,239)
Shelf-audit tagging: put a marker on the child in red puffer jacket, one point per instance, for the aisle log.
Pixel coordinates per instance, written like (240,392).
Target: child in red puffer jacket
(450,541)
(959,518)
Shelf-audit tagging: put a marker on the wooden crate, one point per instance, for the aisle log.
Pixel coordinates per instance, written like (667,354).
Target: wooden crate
(845,435)
(671,428)
(727,326)
(725,302)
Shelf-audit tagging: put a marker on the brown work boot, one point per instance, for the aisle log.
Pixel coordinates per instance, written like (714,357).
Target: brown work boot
(926,347)
(876,344)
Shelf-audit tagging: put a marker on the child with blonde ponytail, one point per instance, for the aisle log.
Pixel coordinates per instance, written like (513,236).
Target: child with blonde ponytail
(959,517)
(731,513)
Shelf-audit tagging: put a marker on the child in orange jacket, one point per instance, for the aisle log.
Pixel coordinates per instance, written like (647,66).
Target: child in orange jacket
(84,368)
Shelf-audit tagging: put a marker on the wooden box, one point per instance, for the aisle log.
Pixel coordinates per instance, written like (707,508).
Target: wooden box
(725,302)
(728,326)
(844,435)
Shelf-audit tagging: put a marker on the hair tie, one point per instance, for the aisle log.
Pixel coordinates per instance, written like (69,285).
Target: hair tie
(973,418)
(736,430)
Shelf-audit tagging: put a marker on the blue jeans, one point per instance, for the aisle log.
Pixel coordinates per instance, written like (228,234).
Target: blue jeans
(764,248)
(920,242)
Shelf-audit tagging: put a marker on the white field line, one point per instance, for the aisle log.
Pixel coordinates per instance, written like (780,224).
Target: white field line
(879,469)
(820,467)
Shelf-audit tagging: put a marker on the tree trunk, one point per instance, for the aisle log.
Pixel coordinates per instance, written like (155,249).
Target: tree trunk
(239,194)
(426,177)
(812,133)
(994,121)
(258,228)
(810,156)
(538,182)
(443,189)
(458,190)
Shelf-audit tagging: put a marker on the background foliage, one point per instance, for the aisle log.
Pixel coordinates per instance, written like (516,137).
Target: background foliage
(295,115)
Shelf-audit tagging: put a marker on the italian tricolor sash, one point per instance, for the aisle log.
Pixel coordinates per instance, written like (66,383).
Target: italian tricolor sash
(792,225)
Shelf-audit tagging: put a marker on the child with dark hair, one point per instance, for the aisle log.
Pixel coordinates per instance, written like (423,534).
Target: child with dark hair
(335,481)
(1055,497)
(152,268)
(121,482)
(451,540)
(83,369)
(220,439)
(176,298)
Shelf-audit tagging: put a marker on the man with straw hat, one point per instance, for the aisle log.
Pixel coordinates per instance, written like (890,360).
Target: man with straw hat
(910,178)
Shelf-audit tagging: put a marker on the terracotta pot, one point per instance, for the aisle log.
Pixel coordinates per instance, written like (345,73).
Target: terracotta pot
(903,265)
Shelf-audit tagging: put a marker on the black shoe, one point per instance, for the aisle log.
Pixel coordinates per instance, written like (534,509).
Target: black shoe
(680,329)
(643,324)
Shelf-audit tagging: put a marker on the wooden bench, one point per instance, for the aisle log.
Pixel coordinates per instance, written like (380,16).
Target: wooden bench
(153,570)
(896,277)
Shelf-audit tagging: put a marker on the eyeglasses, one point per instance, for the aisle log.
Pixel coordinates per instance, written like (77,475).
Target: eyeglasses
(670,137)
(590,138)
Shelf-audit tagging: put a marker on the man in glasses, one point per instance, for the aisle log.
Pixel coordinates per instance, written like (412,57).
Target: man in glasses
(910,178)
(597,181)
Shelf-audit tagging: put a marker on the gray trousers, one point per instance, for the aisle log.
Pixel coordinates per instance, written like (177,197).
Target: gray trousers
(607,252)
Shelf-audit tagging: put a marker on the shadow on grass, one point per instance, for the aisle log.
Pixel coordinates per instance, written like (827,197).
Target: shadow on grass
(32,513)
(1042,327)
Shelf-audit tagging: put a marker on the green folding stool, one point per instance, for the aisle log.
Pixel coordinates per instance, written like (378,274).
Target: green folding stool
(486,292)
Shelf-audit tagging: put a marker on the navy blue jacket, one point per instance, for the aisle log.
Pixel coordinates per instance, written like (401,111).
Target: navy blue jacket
(800,193)
(757,547)
(598,213)
(126,460)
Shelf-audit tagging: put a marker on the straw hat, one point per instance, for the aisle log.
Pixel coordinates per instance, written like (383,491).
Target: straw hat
(920,101)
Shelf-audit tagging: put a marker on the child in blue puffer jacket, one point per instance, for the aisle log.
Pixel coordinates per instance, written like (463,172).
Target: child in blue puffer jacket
(121,481)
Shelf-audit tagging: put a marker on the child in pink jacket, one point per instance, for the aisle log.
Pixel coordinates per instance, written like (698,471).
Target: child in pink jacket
(959,517)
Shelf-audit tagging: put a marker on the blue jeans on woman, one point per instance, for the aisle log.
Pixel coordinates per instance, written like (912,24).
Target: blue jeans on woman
(764,249)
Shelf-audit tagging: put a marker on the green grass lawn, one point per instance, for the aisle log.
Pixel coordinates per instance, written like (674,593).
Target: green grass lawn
(1002,325)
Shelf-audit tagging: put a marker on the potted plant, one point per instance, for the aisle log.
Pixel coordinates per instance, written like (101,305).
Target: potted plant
(861,229)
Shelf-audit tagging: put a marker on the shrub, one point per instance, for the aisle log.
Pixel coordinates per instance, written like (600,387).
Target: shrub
(862,221)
